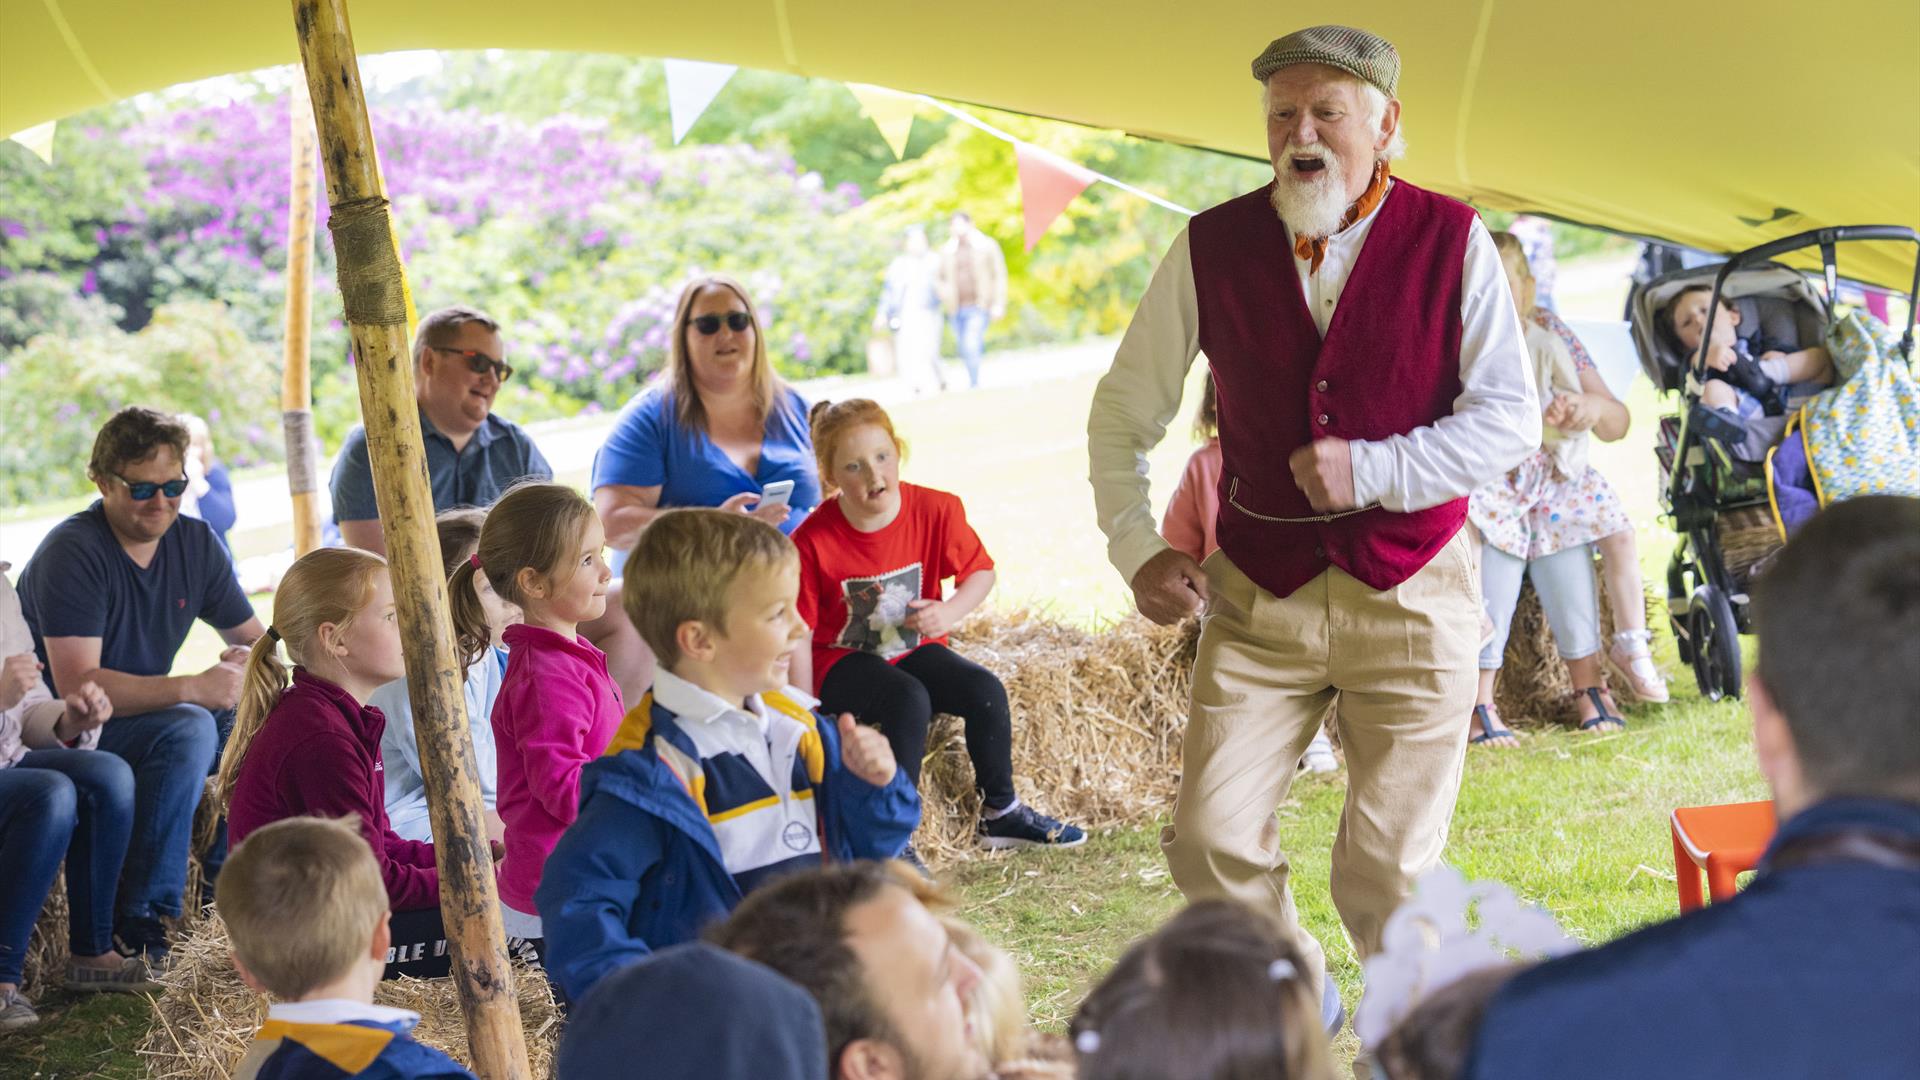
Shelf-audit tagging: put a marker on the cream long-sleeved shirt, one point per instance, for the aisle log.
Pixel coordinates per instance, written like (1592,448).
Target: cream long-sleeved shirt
(1495,422)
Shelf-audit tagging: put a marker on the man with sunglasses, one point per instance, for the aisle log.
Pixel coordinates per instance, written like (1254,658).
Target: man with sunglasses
(473,455)
(110,596)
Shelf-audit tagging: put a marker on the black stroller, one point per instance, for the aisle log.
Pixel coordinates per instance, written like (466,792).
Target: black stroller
(1715,496)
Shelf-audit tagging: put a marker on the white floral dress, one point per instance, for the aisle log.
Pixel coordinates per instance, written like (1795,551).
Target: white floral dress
(1534,511)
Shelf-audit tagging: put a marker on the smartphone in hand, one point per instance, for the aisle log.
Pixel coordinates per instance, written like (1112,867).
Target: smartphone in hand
(775,494)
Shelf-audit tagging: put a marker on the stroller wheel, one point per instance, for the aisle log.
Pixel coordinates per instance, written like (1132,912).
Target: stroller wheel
(1716,644)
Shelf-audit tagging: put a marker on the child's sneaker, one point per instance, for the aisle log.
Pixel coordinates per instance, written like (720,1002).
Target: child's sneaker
(16,1012)
(1021,825)
(1631,657)
(1319,756)
(144,937)
(132,976)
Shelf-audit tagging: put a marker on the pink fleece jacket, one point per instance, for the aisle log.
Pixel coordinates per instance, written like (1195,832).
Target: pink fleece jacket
(1195,505)
(557,710)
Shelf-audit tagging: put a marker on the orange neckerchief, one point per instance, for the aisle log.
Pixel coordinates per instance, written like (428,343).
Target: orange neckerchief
(1314,248)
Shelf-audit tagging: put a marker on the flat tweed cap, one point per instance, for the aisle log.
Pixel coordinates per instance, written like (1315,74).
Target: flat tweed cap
(1367,57)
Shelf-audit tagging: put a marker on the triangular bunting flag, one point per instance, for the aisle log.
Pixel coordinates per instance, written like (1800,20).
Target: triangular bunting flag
(1048,183)
(891,112)
(691,87)
(39,139)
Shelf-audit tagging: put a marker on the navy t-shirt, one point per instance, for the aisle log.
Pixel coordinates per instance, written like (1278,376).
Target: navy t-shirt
(81,583)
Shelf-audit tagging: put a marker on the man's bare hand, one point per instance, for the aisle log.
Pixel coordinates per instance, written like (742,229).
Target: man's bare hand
(218,687)
(1169,587)
(1323,470)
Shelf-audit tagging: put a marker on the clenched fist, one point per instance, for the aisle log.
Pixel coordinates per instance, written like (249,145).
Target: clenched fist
(17,676)
(865,752)
(1323,470)
(87,708)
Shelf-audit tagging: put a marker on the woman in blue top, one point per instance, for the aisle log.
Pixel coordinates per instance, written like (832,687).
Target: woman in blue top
(721,428)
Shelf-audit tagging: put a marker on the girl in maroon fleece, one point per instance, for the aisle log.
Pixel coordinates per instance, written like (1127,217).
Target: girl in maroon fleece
(312,749)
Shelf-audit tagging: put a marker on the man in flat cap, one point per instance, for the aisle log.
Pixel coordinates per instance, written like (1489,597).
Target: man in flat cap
(1370,373)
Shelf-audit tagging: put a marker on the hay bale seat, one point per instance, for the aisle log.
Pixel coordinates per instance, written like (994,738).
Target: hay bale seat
(205,1016)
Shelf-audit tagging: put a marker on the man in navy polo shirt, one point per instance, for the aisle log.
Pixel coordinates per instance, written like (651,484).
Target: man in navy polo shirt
(110,596)
(472,455)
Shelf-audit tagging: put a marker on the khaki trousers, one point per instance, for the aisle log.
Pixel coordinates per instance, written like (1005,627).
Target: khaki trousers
(1402,663)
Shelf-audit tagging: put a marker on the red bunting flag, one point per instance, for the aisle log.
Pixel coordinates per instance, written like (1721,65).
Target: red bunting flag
(1048,183)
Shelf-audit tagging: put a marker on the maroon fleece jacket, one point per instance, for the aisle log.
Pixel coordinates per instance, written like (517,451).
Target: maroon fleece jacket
(318,755)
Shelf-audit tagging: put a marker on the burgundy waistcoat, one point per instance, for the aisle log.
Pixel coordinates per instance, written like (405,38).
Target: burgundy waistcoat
(1390,363)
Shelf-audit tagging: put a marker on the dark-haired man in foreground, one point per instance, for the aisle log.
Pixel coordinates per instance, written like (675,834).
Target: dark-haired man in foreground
(1814,970)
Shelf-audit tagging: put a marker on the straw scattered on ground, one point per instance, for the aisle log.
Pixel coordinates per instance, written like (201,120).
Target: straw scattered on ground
(205,1017)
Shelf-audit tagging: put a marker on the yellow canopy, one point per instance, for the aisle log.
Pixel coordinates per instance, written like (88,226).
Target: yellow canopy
(1718,125)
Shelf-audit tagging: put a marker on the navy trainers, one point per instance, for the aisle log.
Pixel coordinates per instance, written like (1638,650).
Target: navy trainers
(1023,826)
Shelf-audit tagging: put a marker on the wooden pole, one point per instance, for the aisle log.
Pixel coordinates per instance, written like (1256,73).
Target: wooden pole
(373,291)
(296,389)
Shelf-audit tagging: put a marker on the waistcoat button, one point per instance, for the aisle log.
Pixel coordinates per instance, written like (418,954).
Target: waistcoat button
(1321,386)
(1324,418)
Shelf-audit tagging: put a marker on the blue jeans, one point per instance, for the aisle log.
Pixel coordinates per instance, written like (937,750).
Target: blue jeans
(970,330)
(171,751)
(1564,583)
(72,803)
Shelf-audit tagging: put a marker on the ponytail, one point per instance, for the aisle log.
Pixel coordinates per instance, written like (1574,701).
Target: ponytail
(471,634)
(327,585)
(265,680)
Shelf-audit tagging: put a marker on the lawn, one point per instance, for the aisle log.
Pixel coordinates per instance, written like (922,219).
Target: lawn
(1576,823)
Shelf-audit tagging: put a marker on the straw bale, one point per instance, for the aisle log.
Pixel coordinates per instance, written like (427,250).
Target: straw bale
(205,1016)
(1097,720)
(1533,688)
(1746,537)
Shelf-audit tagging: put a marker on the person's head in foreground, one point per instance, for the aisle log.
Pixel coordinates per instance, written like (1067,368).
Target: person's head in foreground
(713,594)
(997,1006)
(1434,1040)
(139,464)
(1333,122)
(1835,694)
(1216,994)
(459,365)
(863,939)
(695,1010)
(306,910)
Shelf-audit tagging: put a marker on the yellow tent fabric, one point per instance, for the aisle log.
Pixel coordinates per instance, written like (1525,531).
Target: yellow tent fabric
(1715,124)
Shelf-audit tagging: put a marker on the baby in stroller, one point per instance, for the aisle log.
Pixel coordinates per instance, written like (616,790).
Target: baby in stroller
(1746,399)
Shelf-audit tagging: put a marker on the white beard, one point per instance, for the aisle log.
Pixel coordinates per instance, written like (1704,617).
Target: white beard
(1311,207)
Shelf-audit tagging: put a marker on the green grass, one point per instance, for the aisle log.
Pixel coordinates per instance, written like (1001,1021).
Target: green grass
(1576,823)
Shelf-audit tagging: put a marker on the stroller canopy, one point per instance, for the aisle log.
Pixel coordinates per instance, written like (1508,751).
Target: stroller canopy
(1715,125)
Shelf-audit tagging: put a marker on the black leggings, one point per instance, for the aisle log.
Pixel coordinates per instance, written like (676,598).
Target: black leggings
(901,699)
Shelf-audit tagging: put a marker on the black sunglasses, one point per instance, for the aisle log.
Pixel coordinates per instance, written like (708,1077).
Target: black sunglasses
(142,490)
(479,363)
(709,325)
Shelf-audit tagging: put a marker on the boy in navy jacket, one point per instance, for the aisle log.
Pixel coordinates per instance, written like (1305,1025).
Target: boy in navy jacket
(307,913)
(723,777)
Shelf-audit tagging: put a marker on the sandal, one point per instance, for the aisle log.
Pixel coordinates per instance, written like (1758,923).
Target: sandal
(1491,729)
(1601,715)
(1631,658)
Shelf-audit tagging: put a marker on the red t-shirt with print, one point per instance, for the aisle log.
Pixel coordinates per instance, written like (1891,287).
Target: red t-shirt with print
(854,586)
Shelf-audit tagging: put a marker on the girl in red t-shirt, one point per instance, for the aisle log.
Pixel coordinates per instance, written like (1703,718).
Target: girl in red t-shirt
(872,560)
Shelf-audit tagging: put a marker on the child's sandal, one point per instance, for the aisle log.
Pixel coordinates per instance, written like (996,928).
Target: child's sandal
(1601,715)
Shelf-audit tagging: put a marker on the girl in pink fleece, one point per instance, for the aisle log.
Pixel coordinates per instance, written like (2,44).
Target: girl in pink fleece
(542,549)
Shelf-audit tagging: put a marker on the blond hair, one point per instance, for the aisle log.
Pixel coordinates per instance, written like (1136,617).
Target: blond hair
(1514,255)
(683,565)
(301,899)
(327,585)
(689,412)
(997,1008)
(830,421)
(535,526)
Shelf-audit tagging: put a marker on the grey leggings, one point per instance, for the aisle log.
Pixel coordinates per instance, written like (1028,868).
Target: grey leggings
(1564,582)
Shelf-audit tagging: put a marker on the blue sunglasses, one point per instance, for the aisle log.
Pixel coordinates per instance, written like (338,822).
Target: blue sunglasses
(142,490)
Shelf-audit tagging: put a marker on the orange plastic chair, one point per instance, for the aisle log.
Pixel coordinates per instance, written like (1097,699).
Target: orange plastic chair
(1725,841)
